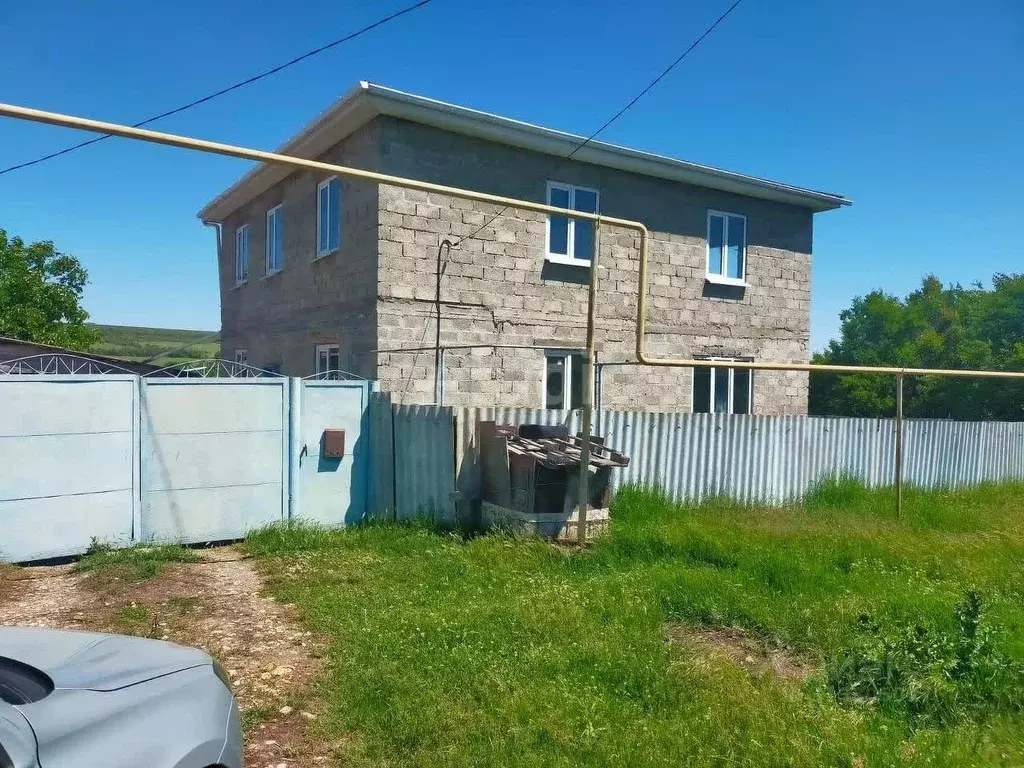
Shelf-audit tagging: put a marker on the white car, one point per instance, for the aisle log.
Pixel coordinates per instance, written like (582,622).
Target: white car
(107,701)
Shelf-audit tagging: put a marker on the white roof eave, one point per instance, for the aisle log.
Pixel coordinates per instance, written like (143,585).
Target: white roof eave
(366,101)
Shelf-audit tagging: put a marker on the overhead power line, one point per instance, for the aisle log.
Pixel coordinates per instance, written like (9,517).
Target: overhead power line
(617,115)
(230,88)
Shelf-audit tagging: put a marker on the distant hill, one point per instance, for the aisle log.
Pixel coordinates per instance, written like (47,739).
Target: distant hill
(139,344)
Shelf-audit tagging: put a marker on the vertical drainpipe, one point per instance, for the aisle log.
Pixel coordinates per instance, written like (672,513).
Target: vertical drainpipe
(294,445)
(218,231)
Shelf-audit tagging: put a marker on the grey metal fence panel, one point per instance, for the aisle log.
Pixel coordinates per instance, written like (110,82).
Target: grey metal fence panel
(773,459)
(214,457)
(68,463)
(424,466)
(382,449)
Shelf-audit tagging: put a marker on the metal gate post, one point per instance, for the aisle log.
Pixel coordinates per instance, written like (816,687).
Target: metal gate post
(294,445)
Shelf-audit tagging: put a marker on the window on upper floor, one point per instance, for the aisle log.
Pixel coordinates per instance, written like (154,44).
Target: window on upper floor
(723,390)
(727,248)
(241,254)
(563,380)
(328,216)
(242,356)
(571,241)
(275,239)
(328,360)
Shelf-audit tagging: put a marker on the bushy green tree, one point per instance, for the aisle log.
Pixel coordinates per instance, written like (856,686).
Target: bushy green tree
(935,326)
(40,295)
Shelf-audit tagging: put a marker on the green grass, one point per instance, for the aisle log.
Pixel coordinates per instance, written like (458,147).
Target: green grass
(133,563)
(497,651)
(133,617)
(132,343)
(183,605)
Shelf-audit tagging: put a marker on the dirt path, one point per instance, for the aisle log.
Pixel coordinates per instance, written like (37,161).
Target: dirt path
(216,605)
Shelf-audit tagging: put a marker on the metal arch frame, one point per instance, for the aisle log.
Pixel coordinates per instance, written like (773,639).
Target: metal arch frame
(60,364)
(335,375)
(212,369)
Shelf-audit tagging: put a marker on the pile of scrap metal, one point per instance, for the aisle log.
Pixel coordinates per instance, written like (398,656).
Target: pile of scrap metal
(530,479)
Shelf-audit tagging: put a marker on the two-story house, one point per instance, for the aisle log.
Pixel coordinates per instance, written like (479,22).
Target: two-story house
(320,273)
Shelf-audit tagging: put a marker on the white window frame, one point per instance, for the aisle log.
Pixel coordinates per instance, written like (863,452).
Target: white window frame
(567,258)
(242,356)
(242,259)
(322,249)
(566,355)
(732,385)
(722,277)
(326,348)
(275,214)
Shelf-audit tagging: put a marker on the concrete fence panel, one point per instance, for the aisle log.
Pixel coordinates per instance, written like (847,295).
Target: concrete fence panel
(333,491)
(68,467)
(213,457)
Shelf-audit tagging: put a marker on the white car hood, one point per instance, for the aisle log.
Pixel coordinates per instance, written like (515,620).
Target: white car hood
(95,662)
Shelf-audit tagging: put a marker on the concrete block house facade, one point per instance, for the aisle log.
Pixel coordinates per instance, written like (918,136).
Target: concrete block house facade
(320,273)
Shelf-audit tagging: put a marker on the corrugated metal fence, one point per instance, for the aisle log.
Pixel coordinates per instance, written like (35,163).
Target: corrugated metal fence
(772,459)
(414,456)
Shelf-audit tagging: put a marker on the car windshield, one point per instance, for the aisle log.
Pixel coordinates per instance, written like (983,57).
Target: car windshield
(22,684)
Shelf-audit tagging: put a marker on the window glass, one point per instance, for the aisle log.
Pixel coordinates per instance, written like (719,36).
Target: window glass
(583,240)
(579,363)
(328,359)
(242,254)
(741,390)
(723,390)
(721,376)
(329,217)
(275,239)
(716,237)
(563,380)
(324,220)
(701,390)
(554,385)
(279,238)
(736,239)
(334,232)
(586,200)
(241,356)
(558,226)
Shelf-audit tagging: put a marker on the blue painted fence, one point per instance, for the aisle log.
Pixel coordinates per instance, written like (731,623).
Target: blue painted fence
(124,459)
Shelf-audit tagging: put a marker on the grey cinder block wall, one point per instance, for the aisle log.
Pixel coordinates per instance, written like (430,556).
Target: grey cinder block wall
(378,291)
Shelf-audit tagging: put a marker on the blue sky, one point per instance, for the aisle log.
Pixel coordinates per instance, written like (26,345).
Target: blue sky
(914,110)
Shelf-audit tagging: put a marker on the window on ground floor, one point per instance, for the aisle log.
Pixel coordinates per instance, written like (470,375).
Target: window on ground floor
(723,390)
(328,359)
(242,356)
(563,379)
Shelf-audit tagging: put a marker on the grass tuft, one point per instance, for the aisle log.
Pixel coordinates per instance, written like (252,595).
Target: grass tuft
(133,563)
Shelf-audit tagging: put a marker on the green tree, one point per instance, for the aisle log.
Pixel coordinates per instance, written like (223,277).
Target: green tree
(40,295)
(935,326)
